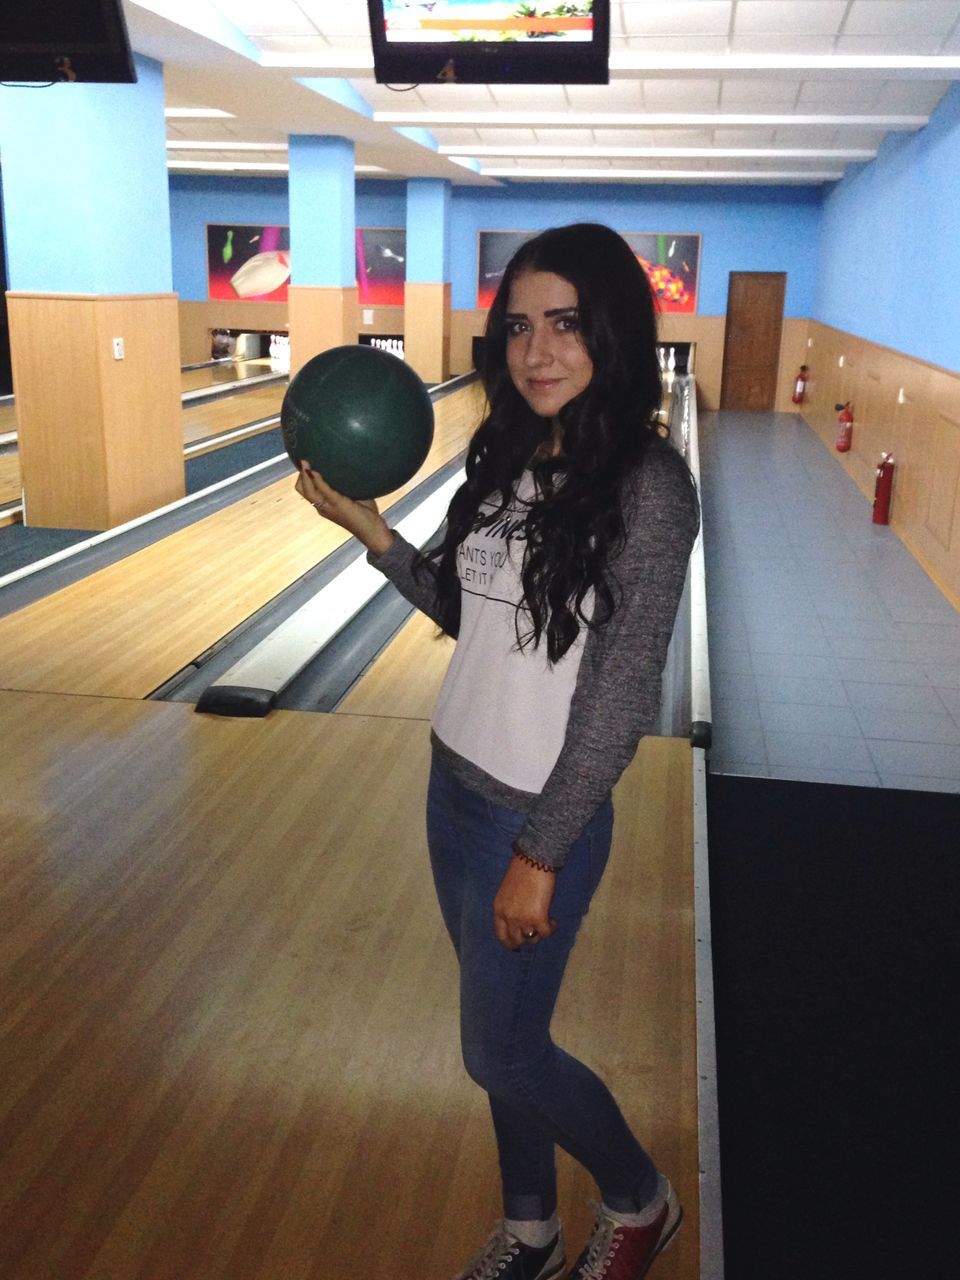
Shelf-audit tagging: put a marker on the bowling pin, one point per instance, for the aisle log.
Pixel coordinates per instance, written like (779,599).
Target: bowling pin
(672,360)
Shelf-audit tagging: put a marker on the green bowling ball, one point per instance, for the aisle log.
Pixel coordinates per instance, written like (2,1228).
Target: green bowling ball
(359,416)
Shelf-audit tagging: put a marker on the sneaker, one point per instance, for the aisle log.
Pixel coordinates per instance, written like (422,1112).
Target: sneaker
(616,1252)
(503,1257)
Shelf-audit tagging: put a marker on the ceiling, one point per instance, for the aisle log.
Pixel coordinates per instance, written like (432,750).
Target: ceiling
(707,91)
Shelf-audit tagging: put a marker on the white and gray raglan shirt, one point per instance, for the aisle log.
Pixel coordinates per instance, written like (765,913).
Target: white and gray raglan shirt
(551,741)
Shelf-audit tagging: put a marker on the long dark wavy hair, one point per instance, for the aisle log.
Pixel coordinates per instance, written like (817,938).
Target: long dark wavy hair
(574,527)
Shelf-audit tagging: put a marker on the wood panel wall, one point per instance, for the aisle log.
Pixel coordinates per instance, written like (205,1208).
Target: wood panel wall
(198,318)
(100,439)
(905,407)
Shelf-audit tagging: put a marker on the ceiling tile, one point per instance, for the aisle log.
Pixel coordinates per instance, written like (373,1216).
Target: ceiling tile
(302,46)
(681,95)
(813,136)
(788,17)
(910,96)
(550,137)
(919,44)
(338,17)
(381,98)
(506,137)
(652,45)
(858,96)
(653,137)
(749,94)
(442,97)
(903,17)
(278,17)
(525,97)
(690,17)
(800,43)
(465,138)
(744,138)
(619,95)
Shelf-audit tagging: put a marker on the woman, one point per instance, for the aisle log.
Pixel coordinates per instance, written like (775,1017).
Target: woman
(559,574)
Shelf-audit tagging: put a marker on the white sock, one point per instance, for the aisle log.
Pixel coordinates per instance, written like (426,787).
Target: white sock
(535,1233)
(647,1214)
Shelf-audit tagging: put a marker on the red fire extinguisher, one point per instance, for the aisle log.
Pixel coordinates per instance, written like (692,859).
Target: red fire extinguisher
(883,489)
(800,386)
(845,434)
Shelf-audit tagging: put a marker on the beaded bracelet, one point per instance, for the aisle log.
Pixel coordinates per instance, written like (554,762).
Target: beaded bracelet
(532,862)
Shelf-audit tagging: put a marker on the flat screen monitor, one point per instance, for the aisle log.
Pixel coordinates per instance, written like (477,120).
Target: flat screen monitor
(51,40)
(490,41)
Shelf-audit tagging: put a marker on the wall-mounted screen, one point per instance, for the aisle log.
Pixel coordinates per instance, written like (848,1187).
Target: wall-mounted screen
(490,41)
(671,261)
(65,40)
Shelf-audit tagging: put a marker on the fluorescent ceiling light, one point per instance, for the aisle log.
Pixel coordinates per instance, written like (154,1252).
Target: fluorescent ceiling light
(245,166)
(665,153)
(177,144)
(646,120)
(668,175)
(342,60)
(933,67)
(197,113)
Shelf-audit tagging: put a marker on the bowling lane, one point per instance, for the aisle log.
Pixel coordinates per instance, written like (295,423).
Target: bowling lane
(217,417)
(226,1007)
(386,688)
(9,477)
(222,374)
(134,624)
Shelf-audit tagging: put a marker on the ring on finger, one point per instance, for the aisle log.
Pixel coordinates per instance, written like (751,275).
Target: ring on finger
(530,934)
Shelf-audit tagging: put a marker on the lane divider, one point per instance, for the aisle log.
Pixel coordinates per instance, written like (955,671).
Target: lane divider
(252,685)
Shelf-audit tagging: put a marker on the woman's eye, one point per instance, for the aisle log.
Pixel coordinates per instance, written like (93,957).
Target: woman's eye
(515,327)
(569,324)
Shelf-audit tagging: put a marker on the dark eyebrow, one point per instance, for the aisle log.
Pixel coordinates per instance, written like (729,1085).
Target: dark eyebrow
(557,311)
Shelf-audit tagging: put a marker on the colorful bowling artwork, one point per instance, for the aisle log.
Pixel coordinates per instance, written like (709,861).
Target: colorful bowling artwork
(361,418)
(248,263)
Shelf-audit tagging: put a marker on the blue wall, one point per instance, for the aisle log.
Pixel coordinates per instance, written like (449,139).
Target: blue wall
(85,192)
(196,200)
(743,228)
(889,261)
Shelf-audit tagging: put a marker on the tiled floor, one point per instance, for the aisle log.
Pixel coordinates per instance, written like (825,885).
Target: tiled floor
(833,657)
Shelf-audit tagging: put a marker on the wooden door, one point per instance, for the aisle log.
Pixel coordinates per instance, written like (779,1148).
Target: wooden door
(751,345)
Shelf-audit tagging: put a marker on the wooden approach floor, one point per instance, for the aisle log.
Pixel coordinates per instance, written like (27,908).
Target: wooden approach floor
(229,1039)
(134,624)
(228,1026)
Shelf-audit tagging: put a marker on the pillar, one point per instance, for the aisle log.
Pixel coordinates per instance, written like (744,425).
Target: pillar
(323,289)
(426,314)
(93,317)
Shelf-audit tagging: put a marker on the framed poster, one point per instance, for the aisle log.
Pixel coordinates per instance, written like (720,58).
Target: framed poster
(247,263)
(671,261)
(381,266)
(494,251)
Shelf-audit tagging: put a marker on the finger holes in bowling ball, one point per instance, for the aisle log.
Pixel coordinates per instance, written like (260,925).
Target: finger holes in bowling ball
(362,418)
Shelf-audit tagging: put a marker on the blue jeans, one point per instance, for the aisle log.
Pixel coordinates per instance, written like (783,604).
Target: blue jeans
(539,1095)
